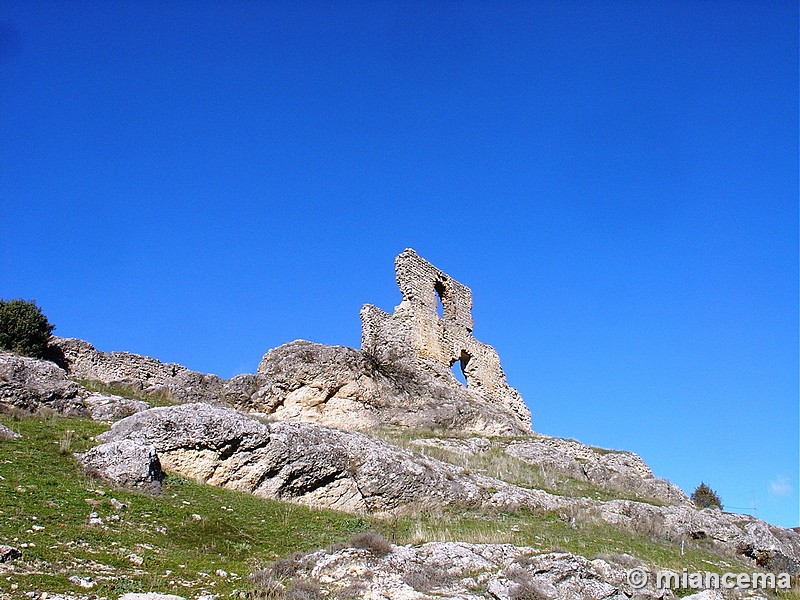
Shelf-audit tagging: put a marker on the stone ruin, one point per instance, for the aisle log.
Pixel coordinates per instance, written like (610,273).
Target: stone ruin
(416,333)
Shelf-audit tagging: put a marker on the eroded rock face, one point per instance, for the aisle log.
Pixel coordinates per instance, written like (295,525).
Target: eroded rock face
(343,387)
(30,384)
(609,469)
(350,471)
(109,408)
(177,383)
(308,463)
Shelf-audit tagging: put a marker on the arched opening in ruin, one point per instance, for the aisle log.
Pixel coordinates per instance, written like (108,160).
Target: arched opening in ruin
(441,298)
(440,292)
(459,368)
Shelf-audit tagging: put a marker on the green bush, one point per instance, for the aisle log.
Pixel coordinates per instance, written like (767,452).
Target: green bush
(704,497)
(374,542)
(23,328)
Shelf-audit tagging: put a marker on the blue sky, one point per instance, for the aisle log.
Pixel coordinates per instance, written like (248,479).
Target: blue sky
(617,183)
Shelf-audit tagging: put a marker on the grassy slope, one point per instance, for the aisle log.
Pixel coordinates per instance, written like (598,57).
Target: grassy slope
(237,533)
(42,480)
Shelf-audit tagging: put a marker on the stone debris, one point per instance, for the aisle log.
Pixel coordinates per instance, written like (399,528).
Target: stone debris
(468,572)
(150,596)
(118,505)
(84,582)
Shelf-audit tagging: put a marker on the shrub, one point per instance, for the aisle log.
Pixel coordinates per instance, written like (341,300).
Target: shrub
(424,578)
(527,590)
(704,497)
(303,589)
(280,569)
(265,586)
(374,542)
(23,328)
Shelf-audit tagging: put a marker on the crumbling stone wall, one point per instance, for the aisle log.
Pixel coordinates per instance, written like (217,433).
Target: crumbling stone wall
(416,332)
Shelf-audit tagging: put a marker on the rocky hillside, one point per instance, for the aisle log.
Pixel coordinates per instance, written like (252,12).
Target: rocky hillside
(335,472)
(396,475)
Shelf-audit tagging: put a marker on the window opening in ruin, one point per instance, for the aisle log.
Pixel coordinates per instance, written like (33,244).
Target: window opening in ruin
(459,368)
(440,291)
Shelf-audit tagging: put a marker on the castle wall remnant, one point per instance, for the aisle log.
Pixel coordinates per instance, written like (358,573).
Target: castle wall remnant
(416,332)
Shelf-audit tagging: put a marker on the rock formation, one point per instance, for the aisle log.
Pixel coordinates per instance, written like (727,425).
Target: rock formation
(623,472)
(346,388)
(110,407)
(30,384)
(175,382)
(307,463)
(469,572)
(296,430)
(125,463)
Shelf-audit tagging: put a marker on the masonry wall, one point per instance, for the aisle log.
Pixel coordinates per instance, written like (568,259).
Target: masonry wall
(416,332)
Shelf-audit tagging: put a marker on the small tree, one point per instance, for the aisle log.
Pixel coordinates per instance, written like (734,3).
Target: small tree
(23,328)
(704,497)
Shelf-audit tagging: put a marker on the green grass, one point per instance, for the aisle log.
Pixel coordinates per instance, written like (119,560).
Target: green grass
(41,479)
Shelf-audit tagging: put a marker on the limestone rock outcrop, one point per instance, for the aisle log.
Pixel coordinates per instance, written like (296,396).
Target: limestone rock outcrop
(308,463)
(468,572)
(110,407)
(612,469)
(350,471)
(31,384)
(175,382)
(125,463)
(345,388)
(303,381)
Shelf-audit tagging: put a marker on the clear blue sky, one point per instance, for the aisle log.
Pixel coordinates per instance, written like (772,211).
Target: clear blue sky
(617,182)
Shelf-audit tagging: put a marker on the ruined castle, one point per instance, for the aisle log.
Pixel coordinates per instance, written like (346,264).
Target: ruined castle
(416,332)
